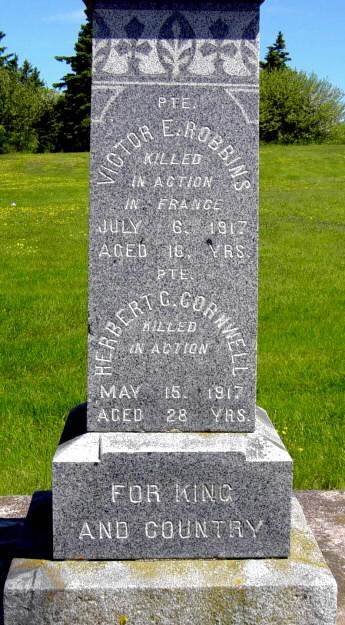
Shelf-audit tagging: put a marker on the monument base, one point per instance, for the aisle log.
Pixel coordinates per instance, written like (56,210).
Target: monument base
(299,590)
(145,495)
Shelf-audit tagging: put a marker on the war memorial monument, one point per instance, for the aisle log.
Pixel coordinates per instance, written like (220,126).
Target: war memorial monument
(175,506)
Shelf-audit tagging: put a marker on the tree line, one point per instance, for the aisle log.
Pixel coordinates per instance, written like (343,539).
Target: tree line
(294,107)
(34,118)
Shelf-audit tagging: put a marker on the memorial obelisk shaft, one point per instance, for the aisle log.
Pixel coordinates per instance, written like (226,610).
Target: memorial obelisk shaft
(173,218)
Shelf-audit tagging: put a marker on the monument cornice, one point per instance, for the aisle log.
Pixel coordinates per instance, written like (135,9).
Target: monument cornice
(165,4)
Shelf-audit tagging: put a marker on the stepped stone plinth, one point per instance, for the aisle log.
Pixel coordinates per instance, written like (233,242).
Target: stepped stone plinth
(299,590)
(162,495)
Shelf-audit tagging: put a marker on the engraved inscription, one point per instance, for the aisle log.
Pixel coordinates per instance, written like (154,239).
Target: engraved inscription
(180,527)
(173,530)
(173,225)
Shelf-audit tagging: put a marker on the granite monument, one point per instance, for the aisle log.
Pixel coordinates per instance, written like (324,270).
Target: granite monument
(173,218)
(173,298)
(177,466)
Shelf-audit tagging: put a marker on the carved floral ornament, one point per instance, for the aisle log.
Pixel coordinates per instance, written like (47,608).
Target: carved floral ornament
(176,50)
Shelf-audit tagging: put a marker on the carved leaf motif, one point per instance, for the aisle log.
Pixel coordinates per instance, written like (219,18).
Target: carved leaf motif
(208,48)
(134,29)
(143,48)
(176,44)
(229,49)
(248,43)
(249,52)
(101,42)
(100,52)
(176,55)
(102,30)
(251,31)
(176,27)
(123,48)
(219,29)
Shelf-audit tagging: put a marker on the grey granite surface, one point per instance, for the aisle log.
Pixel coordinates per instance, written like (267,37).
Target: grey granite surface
(297,591)
(175,4)
(173,220)
(181,495)
(324,510)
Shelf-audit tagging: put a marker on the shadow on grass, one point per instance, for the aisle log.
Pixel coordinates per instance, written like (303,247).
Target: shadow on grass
(31,537)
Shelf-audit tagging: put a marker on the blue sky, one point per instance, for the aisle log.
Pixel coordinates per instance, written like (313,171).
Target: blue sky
(314,31)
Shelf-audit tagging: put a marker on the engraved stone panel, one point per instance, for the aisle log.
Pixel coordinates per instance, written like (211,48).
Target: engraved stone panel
(298,591)
(173,227)
(172,495)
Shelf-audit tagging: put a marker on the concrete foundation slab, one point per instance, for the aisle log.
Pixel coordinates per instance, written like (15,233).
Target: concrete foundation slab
(299,590)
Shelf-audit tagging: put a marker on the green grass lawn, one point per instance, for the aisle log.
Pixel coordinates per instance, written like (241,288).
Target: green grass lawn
(43,308)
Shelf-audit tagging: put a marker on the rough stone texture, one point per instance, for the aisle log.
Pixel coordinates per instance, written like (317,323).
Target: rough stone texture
(14,506)
(25,531)
(189,3)
(325,511)
(162,495)
(173,220)
(296,591)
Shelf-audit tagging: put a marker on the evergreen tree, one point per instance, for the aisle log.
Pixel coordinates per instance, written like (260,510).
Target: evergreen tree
(21,106)
(4,58)
(277,56)
(12,64)
(26,73)
(48,124)
(30,75)
(28,110)
(75,106)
